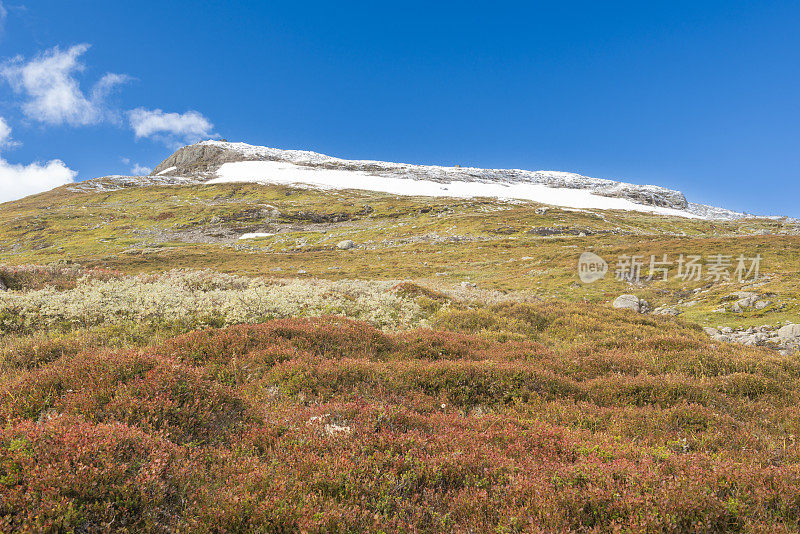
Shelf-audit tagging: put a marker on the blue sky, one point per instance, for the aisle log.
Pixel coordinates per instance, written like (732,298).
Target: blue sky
(700,96)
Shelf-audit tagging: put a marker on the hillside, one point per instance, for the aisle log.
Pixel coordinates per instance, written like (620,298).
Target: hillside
(181,353)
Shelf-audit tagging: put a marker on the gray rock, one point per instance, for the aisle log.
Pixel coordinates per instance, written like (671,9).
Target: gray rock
(631,302)
(3,286)
(710,331)
(667,311)
(747,302)
(347,244)
(761,304)
(789,333)
(749,341)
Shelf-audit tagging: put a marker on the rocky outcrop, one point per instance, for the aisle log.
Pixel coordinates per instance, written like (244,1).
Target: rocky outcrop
(202,159)
(749,301)
(784,339)
(631,302)
(645,194)
(197,159)
(117,182)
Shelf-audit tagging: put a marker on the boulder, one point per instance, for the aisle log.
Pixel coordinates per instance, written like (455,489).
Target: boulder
(631,302)
(761,304)
(347,244)
(789,333)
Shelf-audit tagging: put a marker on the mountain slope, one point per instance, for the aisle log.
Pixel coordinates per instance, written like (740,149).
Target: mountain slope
(221,161)
(251,357)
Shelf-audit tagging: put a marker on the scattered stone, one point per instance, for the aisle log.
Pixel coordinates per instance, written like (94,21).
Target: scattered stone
(559,231)
(347,244)
(466,284)
(667,311)
(631,302)
(747,300)
(710,331)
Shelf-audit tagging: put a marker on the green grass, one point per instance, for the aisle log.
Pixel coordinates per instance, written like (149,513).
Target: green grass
(440,242)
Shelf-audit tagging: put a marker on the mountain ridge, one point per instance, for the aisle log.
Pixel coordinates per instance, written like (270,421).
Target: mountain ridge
(205,160)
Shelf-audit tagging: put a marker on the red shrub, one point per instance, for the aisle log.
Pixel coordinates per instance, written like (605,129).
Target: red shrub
(65,475)
(330,337)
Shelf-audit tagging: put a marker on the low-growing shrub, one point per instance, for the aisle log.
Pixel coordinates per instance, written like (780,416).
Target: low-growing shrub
(64,475)
(537,417)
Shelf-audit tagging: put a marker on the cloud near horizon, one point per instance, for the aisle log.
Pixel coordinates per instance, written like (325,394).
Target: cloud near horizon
(52,94)
(18,181)
(172,129)
(49,92)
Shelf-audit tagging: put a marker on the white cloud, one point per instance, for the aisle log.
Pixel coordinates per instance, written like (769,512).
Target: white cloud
(5,133)
(17,181)
(53,94)
(137,169)
(140,170)
(173,129)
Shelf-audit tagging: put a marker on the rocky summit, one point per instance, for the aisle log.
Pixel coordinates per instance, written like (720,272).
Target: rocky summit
(204,161)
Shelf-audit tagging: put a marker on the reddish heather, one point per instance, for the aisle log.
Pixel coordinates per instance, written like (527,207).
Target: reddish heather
(529,421)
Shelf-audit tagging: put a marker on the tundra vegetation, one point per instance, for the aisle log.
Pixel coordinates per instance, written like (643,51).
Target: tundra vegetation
(163,376)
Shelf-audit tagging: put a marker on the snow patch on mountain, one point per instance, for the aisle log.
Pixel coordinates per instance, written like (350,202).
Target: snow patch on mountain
(281,172)
(222,161)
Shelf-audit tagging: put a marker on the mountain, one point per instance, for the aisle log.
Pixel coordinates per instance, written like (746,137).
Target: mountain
(220,161)
(221,352)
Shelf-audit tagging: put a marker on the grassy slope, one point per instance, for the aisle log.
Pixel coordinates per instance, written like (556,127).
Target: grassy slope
(439,241)
(554,416)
